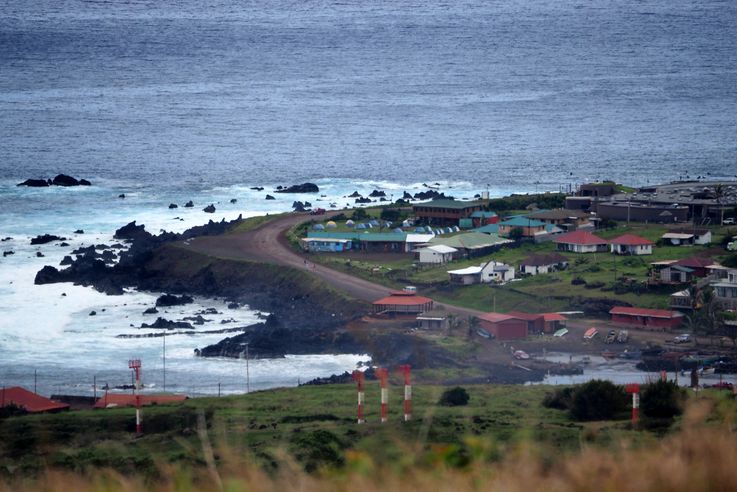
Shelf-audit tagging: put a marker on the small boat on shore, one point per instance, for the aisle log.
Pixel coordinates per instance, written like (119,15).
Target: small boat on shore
(483,333)
(590,333)
(521,355)
(608,354)
(561,333)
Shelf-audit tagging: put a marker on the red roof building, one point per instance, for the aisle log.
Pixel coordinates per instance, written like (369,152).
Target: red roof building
(516,324)
(29,401)
(580,242)
(630,244)
(402,302)
(113,400)
(650,319)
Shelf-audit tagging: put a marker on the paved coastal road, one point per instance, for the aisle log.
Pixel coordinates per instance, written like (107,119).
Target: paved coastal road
(268,243)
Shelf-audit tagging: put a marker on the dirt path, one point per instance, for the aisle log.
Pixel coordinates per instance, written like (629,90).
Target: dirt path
(268,243)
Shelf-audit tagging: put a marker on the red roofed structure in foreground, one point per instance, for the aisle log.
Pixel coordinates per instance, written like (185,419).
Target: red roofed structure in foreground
(516,324)
(581,242)
(112,400)
(29,401)
(403,302)
(650,319)
(630,244)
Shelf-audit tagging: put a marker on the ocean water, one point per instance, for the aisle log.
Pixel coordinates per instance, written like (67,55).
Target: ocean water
(167,101)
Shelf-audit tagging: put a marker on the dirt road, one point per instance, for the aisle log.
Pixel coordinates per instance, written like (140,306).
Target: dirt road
(268,243)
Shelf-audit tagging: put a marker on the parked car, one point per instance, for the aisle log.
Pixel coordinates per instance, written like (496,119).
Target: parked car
(729,221)
(623,336)
(611,337)
(685,338)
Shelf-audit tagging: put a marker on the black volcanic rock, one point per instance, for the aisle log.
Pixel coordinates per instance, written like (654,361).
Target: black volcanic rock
(355,194)
(122,195)
(406,196)
(210,209)
(298,206)
(377,193)
(8,253)
(79,231)
(269,197)
(431,195)
(67,261)
(47,275)
(84,182)
(197,320)
(189,204)
(132,231)
(34,183)
(39,254)
(257,188)
(363,200)
(167,324)
(301,188)
(64,180)
(173,205)
(46,238)
(151,310)
(233,200)
(167,300)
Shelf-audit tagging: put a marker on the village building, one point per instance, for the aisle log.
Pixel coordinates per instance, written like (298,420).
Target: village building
(630,244)
(415,241)
(679,271)
(687,236)
(681,300)
(471,244)
(725,290)
(446,212)
(543,263)
(529,227)
(435,319)
(581,242)
(325,245)
(485,273)
(437,254)
(516,325)
(488,229)
(402,302)
(649,319)
(29,401)
(565,219)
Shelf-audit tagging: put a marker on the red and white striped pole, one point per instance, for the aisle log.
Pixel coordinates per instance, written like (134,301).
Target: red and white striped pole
(407,391)
(634,388)
(135,364)
(383,375)
(359,377)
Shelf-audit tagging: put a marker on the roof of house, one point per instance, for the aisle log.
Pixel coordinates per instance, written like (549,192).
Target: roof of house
(579,237)
(544,259)
(650,313)
(325,239)
(483,214)
(403,299)
(472,270)
(441,248)
(28,400)
(631,240)
(495,317)
(361,236)
(111,400)
(433,314)
(554,317)
(689,230)
(695,262)
(676,235)
(488,229)
(470,240)
(419,238)
(558,214)
(525,316)
(453,204)
(522,222)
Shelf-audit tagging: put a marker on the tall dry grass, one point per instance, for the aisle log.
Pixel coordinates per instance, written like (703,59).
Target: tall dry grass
(702,456)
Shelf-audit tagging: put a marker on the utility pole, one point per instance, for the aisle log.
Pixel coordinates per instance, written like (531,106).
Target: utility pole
(135,364)
(164,360)
(35,380)
(248,374)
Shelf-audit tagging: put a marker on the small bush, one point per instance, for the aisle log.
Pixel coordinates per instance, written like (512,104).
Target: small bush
(595,285)
(598,400)
(662,400)
(454,397)
(560,399)
(578,281)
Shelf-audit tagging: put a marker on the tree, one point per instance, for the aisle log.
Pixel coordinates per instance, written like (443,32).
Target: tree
(662,400)
(516,233)
(454,397)
(598,400)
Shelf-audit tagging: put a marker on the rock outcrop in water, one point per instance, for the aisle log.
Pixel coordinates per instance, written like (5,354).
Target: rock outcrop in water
(59,180)
(162,323)
(46,238)
(300,188)
(168,300)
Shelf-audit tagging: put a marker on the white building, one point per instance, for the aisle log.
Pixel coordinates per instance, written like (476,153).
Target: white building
(439,254)
(484,273)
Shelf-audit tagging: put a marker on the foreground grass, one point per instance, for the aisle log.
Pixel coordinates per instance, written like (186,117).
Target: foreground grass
(305,439)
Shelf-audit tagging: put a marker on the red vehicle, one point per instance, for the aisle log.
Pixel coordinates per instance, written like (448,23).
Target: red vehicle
(318,211)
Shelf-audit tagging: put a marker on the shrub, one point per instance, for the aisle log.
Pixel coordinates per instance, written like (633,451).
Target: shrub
(595,285)
(359,214)
(662,400)
(578,281)
(454,397)
(560,399)
(516,234)
(391,214)
(598,400)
